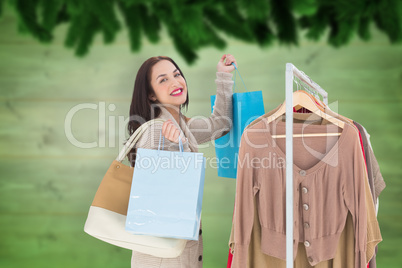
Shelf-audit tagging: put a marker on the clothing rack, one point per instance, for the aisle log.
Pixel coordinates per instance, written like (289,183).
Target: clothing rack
(292,71)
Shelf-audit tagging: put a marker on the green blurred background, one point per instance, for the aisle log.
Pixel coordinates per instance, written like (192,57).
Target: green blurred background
(47,183)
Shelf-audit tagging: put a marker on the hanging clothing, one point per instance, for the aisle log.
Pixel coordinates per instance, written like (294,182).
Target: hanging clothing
(374,174)
(340,168)
(258,259)
(375,178)
(344,257)
(376,181)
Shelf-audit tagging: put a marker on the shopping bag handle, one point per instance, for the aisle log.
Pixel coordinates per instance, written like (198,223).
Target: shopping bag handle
(135,137)
(234,79)
(162,138)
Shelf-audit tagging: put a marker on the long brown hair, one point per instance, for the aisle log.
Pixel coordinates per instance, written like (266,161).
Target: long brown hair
(142,108)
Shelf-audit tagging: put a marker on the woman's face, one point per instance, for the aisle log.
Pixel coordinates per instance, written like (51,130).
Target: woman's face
(168,84)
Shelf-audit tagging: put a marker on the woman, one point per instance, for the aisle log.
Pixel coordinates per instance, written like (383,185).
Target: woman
(160,91)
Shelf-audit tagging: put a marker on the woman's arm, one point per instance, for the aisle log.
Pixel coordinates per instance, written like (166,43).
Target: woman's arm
(152,135)
(220,122)
(150,140)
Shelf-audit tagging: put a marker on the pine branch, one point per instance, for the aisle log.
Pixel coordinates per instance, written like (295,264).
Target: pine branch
(341,32)
(75,7)
(104,14)
(305,7)
(213,38)
(256,10)
(76,23)
(344,21)
(82,28)
(285,22)
(62,15)
(28,19)
(262,33)
(388,19)
(50,12)
(364,28)
(193,24)
(233,25)
(184,46)
(137,2)
(90,27)
(1,7)
(367,15)
(188,20)
(316,24)
(183,49)
(151,24)
(132,15)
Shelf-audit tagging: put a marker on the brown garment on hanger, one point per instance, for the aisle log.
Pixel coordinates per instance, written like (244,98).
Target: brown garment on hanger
(372,231)
(345,253)
(376,181)
(345,256)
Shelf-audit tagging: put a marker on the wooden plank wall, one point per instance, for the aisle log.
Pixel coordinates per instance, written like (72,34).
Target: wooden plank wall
(47,181)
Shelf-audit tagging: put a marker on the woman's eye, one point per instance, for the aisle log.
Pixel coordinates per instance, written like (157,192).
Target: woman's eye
(163,80)
(176,75)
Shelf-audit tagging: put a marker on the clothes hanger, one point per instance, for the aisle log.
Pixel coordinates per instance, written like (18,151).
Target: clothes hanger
(317,101)
(302,99)
(295,115)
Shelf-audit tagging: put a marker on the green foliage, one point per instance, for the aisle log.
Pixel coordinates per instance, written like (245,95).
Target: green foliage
(305,7)
(132,18)
(316,24)
(284,20)
(1,6)
(388,18)
(50,12)
(255,9)
(228,24)
(193,24)
(104,13)
(28,19)
(346,17)
(150,23)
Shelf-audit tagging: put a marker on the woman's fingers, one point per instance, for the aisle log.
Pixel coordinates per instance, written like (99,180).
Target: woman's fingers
(230,59)
(167,129)
(225,63)
(164,126)
(171,132)
(223,58)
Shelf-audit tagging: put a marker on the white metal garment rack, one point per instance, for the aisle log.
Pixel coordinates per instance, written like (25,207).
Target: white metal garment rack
(292,71)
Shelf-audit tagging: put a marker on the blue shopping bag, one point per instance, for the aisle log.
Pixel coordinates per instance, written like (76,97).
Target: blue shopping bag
(247,107)
(166,194)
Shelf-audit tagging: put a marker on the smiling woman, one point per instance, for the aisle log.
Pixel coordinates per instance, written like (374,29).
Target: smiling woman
(168,84)
(150,81)
(160,91)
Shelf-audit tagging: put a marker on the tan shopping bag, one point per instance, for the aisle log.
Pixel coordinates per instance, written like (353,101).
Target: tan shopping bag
(107,215)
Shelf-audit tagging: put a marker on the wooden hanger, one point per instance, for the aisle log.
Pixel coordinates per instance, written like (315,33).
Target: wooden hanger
(302,99)
(317,101)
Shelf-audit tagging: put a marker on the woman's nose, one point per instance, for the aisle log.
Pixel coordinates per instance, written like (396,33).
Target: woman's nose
(174,84)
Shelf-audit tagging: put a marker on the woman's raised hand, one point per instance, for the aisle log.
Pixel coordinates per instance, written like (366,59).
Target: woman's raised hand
(225,63)
(171,132)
